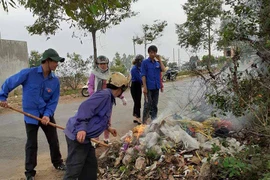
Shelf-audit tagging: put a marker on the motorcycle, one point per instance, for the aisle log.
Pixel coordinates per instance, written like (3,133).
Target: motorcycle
(170,75)
(84,91)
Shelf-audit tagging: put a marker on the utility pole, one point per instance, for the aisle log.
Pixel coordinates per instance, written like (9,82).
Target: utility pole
(134,43)
(173,55)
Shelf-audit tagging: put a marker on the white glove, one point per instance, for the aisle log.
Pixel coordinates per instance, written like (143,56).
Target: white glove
(124,101)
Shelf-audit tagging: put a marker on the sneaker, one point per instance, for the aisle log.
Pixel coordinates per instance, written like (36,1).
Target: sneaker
(139,121)
(61,167)
(135,121)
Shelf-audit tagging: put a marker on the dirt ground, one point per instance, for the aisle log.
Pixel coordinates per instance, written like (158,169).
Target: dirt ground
(45,170)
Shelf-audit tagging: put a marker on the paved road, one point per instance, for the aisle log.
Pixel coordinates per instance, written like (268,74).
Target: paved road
(12,131)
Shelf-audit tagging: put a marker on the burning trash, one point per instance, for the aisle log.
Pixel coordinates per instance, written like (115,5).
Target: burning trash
(170,149)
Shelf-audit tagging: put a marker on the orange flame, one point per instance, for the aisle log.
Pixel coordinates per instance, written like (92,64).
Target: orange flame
(139,130)
(128,139)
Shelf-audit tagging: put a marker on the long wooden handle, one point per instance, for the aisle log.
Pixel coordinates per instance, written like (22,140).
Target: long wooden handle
(53,124)
(37,118)
(99,142)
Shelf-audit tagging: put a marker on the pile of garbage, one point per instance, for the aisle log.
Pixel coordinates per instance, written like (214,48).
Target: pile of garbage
(168,149)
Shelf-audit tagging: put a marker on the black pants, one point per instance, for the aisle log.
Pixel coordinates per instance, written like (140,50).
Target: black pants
(81,161)
(150,104)
(136,93)
(31,146)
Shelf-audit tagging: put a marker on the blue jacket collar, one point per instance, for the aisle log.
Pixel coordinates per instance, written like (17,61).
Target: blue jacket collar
(153,61)
(40,70)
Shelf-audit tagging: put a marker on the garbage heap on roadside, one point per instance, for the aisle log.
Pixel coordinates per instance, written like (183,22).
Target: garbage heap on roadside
(169,149)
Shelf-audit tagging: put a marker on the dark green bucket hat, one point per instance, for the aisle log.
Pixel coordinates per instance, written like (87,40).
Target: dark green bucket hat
(51,54)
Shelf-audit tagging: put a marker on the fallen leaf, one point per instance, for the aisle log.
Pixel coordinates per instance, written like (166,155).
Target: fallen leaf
(171,177)
(195,160)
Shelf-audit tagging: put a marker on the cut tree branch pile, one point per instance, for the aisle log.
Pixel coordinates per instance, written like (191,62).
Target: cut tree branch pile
(169,149)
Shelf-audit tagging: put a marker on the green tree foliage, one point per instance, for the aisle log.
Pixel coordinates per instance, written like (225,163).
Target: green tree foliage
(127,61)
(6,3)
(206,60)
(73,72)
(117,64)
(104,19)
(34,59)
(222,59)
(246,21)
(165,60)
(151,33)
(90,16)
(245,27)
(172,64)
(199,29)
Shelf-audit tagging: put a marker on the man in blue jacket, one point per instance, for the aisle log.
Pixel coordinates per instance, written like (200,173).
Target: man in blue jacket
(41,89)
(89,122)
(150,71)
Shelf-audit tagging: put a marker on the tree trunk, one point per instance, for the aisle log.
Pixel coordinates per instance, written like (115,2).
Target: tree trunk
(145,46)
(209,50)
(209,43)
(94,46)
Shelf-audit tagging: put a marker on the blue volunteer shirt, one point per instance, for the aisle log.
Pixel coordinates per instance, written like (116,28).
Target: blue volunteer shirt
(151,70)
(40,95)
(93,116)
(136,74)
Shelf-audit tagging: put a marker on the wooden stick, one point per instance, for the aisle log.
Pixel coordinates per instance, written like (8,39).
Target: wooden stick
(34,117)
(52,124)
(99,142)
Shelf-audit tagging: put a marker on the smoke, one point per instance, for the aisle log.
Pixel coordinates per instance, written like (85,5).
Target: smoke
(185,99)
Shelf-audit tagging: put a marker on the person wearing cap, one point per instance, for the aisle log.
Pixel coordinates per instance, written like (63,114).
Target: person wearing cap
(136,88)
(40,97)
(97,82)
(91,119)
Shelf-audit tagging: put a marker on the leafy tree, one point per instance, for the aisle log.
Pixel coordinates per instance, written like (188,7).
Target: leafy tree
(206,60)
(245,27)
(6,3)
(172,65)
(127,61)
(186,66)
(73,72)
(118,65)
(103,19)
(199,29)
(247,21)
(151,33)
(165,60)
(221,59)
(88,15)
(34,59)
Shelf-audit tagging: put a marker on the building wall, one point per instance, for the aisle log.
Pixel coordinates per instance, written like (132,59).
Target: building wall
(13,58)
